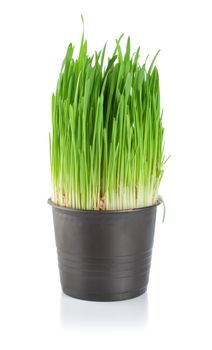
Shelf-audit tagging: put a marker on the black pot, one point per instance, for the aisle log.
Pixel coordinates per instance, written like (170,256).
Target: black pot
(104,255)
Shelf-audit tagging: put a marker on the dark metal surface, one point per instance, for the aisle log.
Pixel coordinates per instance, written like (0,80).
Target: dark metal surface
(102,255)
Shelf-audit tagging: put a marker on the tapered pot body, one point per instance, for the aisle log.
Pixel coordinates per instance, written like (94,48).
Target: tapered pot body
(104,255)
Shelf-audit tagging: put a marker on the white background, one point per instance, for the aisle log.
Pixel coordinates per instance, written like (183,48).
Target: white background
(177,311)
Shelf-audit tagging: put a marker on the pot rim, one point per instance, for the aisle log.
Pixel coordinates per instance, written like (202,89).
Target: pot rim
(103,212)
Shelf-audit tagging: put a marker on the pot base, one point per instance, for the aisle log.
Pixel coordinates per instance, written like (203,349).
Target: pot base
(106,297)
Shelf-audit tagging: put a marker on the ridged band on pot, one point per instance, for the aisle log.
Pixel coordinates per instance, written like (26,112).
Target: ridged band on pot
(104,255)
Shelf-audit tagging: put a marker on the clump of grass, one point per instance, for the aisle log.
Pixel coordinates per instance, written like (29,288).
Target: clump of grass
(107,135)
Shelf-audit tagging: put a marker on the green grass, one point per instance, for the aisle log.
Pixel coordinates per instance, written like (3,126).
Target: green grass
(106,143)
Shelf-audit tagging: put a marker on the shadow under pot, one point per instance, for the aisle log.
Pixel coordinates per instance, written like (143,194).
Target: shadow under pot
(104,255)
